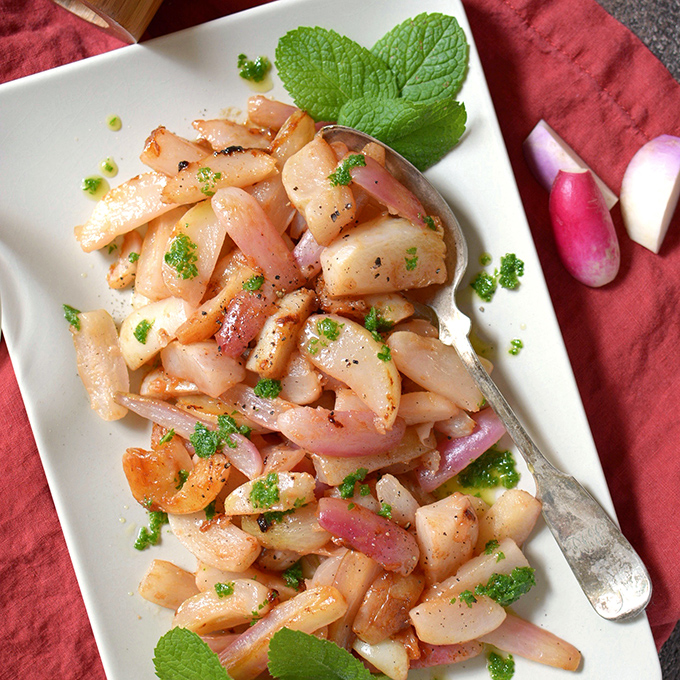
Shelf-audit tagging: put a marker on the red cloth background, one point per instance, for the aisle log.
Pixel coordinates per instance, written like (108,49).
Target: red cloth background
(566,61)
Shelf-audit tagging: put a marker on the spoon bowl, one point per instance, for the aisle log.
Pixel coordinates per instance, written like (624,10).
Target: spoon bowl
(608,569)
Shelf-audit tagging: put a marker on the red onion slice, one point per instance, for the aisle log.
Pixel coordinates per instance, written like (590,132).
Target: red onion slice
(306,254)
(456,454)
(260,410)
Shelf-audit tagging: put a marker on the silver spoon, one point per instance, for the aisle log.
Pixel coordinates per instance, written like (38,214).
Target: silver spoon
(606,566)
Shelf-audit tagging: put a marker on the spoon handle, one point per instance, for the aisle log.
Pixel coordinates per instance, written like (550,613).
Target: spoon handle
(605,564)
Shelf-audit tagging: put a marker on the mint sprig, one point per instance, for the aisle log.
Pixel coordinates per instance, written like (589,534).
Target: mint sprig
(181,655)
(401,92)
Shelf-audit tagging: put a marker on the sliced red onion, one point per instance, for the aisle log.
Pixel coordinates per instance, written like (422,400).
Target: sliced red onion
(306,254)
(457,454)
(338,433)
(383,187)
(244,456)
(440,655)
(547,153)
(260,410)
(375,536)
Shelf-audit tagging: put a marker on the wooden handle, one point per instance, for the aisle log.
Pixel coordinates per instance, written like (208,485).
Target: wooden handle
(126,19)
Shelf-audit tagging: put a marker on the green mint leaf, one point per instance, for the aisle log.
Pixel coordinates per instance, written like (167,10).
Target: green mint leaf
(428,55)
(422,133)
(323,70)
(294,655)
(181,655)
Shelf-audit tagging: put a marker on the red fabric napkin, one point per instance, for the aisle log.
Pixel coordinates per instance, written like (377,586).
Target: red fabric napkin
(604,92)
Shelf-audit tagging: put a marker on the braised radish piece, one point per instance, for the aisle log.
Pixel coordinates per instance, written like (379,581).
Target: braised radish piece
(584,232)
(547,153)
(274,492)
(650,190)
(166,584)
(122,272)
(221,133)
(164,151)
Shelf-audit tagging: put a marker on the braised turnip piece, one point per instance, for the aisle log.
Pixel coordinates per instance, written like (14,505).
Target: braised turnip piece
(332,470)
(166,584)
(122,272)
(425,407)
(157,383)
(401,501)
(447,533)
(447,622)
(389,657)
(164,151)
(278,338)
(147,330)
(520,637)
(379,538)
(440,655)
(149,281)
(210,611)
(500,559)
(301,382)
(298,531)
(391,307)
(100,363)
(338,433)
(385,607)
(218,542)
(208,577)
(124,208)
(348,352)
(325,207)
(436,367)
(384,255)
(229,168)
(513,515)
(353,577)
(315,608)
(221,133)
(207,319)
(202,364)
(268,113)
(256,236)
(276,491)
(191,253)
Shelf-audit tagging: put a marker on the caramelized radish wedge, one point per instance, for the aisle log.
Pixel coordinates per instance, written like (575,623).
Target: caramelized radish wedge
(263,411)
(378,538)
(207,612)
(346,351)
(513,515)
(547,153)
(100,363)
(388,656)
(425,407)
(158,322)
(124,208)
(221,133)
(295,133)
(202,364)
(233,167)
(256,236)
(520,637)
(448,622)
(650,190)
(274,492)
(217,542)
(309,611)
(436,367)
(122,273)
(192,251)
(338,433)
(301,382)
(440,655)
(383,255)
(583,229)
(207,577)
(268,113)
(164,151)
(307,253)
(456,454)
(166,584)
(157,383)
(402,502)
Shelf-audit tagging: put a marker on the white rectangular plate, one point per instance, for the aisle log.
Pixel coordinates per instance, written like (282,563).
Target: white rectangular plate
(54,133)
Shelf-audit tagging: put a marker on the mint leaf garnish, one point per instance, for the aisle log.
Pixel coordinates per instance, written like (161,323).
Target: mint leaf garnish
(294,655)
(322,70)
(181,655)
(428,55)
(423,133)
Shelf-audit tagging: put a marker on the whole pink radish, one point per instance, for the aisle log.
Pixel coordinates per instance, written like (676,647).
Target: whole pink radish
(583,228)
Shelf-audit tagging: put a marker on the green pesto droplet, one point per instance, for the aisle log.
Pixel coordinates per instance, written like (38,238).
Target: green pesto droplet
(108,167)
(94,187)
(114,122)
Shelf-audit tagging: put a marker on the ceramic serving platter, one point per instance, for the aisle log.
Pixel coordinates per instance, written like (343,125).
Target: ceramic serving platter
(53,133)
